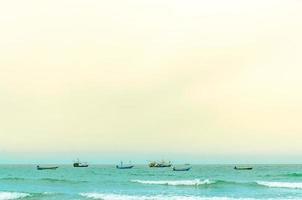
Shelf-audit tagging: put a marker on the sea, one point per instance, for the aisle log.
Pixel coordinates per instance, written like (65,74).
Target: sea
(105,182)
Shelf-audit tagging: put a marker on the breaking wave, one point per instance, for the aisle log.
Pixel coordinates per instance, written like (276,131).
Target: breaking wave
(12,195)
(292,185)
(103,196)
(198,182)
(156,197)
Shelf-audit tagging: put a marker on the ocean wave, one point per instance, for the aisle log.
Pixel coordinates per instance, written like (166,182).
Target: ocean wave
(12,179)
(292,185)
(294,174)
(198,182)
(156,197)
(103,196)
(51,180)
(194,182)
(54,180)
(12,195)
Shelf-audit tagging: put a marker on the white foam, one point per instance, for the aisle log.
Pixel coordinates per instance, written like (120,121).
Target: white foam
(156,197)
(12,195)
(293,185)
(176,182)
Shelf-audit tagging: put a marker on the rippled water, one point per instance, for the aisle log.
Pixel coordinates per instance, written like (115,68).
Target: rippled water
(202,182)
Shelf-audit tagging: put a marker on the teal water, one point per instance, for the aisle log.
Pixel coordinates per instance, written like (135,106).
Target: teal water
(202,182)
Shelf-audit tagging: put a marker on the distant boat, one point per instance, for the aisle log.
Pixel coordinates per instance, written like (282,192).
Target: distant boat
(47,168)
(243,168)
(122,166)
(160,164)
(182,169)
(79,164)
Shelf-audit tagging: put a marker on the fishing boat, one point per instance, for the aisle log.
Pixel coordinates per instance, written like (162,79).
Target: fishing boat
(160,164)
(122,166)
(47,168)
(243,168)
(182,169)
(79,164)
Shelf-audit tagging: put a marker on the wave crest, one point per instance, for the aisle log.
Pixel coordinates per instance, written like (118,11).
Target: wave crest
(292,185)
(156,197)
(194,182)
(12,195)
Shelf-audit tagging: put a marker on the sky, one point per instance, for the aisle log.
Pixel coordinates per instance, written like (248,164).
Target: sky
(191,81)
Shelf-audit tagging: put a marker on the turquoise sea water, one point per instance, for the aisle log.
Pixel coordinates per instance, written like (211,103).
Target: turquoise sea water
(203,182)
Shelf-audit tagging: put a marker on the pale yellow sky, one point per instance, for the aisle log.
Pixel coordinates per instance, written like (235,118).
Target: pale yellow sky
(197,77)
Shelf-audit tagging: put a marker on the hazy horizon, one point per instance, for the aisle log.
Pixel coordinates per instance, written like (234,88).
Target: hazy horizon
(115,158)
(190,81)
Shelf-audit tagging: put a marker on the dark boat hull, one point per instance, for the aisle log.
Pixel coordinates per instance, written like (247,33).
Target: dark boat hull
(243,168)
(124,167)
(164,165)
(79,165)
(47,168)
(181,169)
